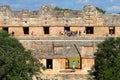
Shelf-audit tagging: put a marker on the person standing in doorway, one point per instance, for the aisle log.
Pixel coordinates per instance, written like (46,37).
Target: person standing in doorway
(73,65)
(78,64)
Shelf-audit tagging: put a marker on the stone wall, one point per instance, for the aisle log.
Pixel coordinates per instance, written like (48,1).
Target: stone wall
(58,63)
(38,31)
(56,20)
(87,63)
(58,51)
(61,49)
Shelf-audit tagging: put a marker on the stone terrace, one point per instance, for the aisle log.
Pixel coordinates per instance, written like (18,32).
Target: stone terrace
(56,75)
(62,38)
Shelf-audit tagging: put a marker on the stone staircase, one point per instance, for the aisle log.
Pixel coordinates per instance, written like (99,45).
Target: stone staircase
(64,77)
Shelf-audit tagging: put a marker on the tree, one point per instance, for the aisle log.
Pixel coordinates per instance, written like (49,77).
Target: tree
(118,13)
(101,10)
(107,60)
(15,62)
(61,9)
(3,34)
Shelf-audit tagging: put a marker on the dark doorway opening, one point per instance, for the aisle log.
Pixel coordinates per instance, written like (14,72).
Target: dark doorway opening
(89,30)
(49,63)
(26,30)
(111,30)
(46,30)
(5,29)
(66,28)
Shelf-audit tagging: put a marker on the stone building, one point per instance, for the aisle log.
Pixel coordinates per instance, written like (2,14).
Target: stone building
(53,34)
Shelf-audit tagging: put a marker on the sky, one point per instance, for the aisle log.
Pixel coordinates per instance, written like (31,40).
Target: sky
(110,6)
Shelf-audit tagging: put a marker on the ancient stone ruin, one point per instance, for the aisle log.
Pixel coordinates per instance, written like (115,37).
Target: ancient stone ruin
(56,35)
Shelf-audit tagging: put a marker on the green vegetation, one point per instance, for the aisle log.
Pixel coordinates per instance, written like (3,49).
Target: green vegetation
(107,60)
(118,13)
(71,59)
(101,10)
(61,9)
(15,62)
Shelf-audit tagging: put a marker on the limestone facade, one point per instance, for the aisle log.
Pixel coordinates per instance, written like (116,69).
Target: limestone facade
(54,51)
(50,22)
(51,34)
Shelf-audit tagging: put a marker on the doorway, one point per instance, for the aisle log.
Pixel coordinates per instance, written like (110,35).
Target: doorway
(26,30)
(111,30)
(5,29)
(49,63)
(89,30)
(46,29)
(66,28)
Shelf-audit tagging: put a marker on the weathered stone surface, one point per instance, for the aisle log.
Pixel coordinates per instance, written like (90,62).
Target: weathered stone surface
(65,77)
(57,20)
(46,16)
(57,47)
(54,42)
